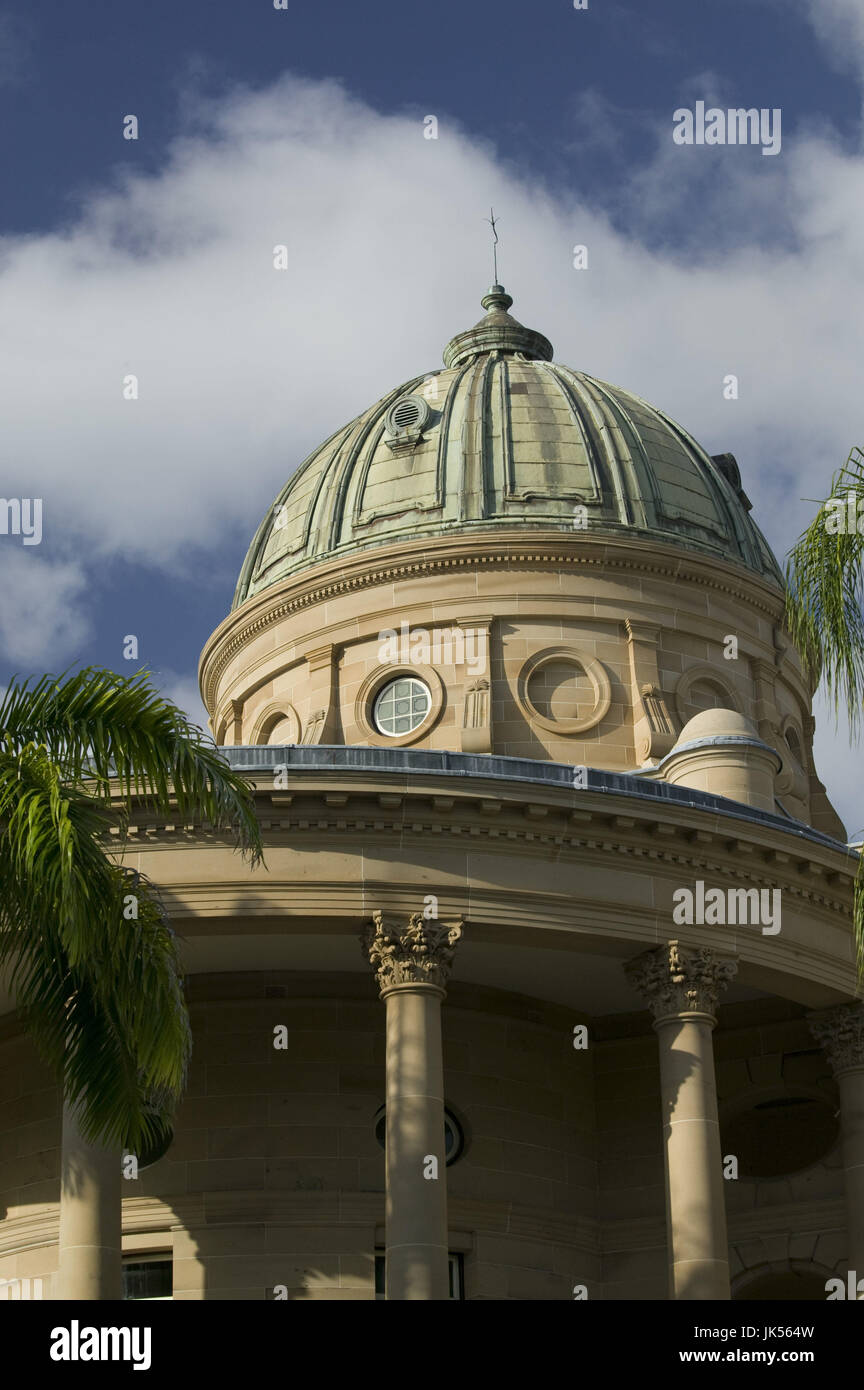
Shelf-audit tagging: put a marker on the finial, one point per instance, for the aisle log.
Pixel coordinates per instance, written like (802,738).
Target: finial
(497,332)
(496,297)
(492,223)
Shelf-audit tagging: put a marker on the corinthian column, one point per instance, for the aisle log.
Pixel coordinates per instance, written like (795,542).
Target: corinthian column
(411,960)
(682,987)
(840,1032)
(90,1217)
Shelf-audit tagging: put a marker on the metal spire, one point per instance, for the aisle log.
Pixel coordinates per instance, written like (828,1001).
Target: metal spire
(491,220)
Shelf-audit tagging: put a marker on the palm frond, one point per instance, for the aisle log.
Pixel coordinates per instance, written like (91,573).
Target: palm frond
(109,730)
(130,1011)
(50,851)
(825,615)
(825,595)
(90,957)
(114,1027)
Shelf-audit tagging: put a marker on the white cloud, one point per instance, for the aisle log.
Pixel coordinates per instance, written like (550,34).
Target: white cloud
(839,24)
(43,622)
(242,369)
(182,690)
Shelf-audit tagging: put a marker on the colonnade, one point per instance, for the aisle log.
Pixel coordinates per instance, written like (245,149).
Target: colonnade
(411,957)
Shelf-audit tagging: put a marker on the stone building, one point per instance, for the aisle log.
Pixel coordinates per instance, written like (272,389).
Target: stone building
(554,900)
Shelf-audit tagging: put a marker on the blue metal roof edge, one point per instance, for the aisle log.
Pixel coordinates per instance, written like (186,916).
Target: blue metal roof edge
(357,758)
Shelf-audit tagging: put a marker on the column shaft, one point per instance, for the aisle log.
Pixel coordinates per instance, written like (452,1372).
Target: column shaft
(695,1201)
(411,959)
(416,1204)
(851,1084)
(840,1031)
(90,1264)
(682,986)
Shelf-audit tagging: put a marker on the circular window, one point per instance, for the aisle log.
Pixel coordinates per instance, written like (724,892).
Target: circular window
(564,690)
(155,1147)
(775,1134)
(409,413)
(454,1139)
(401,706)
(561,690)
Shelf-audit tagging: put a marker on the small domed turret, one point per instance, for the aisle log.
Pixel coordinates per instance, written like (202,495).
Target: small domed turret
(720,751)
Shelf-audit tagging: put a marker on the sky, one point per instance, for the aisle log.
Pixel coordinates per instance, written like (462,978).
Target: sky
(307,126)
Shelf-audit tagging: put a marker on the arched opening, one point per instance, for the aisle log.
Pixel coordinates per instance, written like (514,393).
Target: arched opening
(783,1286)
(705,694)
(793,743)
(277,727)
(283,731)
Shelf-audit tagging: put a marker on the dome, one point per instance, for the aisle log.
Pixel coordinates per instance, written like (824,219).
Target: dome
(503,438)
(719,751)
(717,729)
(716,724)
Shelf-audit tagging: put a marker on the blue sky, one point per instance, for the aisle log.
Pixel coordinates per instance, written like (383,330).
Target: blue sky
(513,73)
(304,126)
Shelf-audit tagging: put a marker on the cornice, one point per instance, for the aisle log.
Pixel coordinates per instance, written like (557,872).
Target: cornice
(151,1214)
(706,842)
(326,1209)
(35,1227)
(536,548)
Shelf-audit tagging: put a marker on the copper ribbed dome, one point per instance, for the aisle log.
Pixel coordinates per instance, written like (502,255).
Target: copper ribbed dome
(504,437)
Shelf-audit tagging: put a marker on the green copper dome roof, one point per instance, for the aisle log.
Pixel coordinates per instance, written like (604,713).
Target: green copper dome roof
(503,437)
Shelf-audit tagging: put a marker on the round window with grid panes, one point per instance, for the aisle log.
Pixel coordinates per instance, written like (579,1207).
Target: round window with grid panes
(401,706)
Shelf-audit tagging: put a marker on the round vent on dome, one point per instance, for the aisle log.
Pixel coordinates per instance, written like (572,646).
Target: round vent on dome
(409,413)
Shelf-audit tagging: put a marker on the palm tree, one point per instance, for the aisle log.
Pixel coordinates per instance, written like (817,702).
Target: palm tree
(825,612)
(84,940)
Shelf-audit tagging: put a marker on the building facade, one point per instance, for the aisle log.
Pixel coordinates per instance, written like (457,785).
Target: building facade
(546,989)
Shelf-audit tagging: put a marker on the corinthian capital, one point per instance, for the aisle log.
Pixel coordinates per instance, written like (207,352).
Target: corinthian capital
(674,979)
(840,1033)
(419,951)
